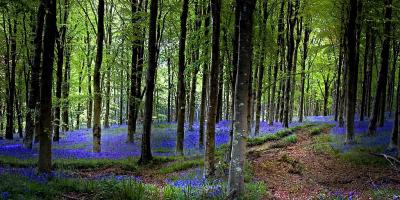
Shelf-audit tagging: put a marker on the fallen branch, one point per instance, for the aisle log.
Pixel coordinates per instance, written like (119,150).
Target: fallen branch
(392,160)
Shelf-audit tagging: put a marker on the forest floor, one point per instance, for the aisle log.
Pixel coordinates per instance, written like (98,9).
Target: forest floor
(307,161)
(308,169)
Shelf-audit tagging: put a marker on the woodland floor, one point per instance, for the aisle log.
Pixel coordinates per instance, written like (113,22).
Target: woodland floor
(312,162)
(300,172)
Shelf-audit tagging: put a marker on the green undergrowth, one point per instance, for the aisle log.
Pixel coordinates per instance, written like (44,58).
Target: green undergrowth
(181,165)
(276,136)
(286,141)
(322,144)
(17,187)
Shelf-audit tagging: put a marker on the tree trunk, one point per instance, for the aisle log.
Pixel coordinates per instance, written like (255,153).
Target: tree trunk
(209,156)
(45,124)
(307,33)
(273,106)
(204,84)
(34,88)
(261,67)
(181,82)
(89,72)
(133,87)
(146,156)
(382,80)
(395,133)
(65,90)
(97,78)
(195,59)
(352,68)
(392,78)
(290,52)
(241,124)
(365,83)
(11,81)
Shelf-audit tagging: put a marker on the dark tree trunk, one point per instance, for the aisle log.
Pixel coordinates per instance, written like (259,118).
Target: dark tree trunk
(382,80)
(45,119)
(352,68)
(307,33)
(273,106)
(11,81)
(396,133)
(241,124)
(133,86)
(392,79)
(261,66)
(169,90)
(61,43)
(34,88)
(180,132)
(146,156)
(365,83)
(204,84)
(209,156)
(108,81)
(65,90)
(97,78)
(290,52)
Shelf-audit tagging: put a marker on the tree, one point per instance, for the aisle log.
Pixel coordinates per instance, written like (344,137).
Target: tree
(96,79)
(352,66)
(45,124)
(34,88)
(382,80)
(180,131)
(11,80)
(146,156)
(307,33)
(61,38)
(241,124)
(209,156)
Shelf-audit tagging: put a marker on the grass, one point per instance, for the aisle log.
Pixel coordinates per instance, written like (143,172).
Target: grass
(319,129)
(322,145)
(286,141)
(181,165)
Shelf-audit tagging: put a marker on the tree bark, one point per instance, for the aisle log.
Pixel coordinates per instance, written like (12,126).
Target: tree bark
(34,88)
(65,90)
(241,123)
(96,80)
(180,132)
(307,33)
(382,80)
(352,68)
(204,84)
(45,124)
(11,80)
(146,156)
(209,156)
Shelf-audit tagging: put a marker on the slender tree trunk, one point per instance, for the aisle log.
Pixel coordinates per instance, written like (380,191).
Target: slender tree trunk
(352,68)
(241,124)
(366,72)
(396,133)
(150,82)
(192,101)
(65,90)
(97,78)
(133,87)
(276,67)
(392,78)
(307,33)
(89,72)
(45,124)
(34,88)
(169,90)
(78,113)
(382,80)
(11,81)
(181,82)
(204,84)
(209,156)
(261,67)
(291,26)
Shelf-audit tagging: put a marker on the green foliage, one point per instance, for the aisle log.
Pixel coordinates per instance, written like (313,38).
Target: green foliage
(181,165)
(286,141)
(322,145)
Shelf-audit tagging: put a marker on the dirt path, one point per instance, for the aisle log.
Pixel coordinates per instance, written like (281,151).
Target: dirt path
(298,172)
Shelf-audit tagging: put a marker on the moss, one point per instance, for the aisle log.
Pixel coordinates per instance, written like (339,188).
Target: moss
(181,165)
